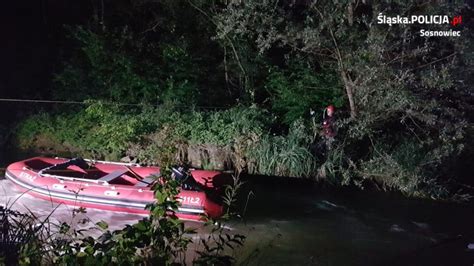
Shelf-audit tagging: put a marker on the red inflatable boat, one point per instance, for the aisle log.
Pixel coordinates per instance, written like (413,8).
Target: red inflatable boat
(114,186)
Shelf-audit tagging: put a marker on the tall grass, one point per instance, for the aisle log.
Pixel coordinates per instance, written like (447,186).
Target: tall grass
(284,155)
(16,231)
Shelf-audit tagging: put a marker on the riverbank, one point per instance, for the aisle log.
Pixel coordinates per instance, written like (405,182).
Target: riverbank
(244,139)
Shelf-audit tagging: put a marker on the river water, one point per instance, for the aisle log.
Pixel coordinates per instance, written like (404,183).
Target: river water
(289,222)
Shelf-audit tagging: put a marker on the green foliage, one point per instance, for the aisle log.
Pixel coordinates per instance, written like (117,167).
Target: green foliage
(132,63)
(285,155)
(299,89)
(99,130)
(103,70)
(153,135)
(224,127)
(395,81)
(33,126)
(181,77)
(17,237)
(110,131)
(400,169)
(404,168)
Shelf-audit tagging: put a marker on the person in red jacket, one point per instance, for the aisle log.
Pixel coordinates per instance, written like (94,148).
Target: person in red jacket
(328,131)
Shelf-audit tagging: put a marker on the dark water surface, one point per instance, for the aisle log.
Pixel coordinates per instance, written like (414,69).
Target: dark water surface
(300,224)
(288,222)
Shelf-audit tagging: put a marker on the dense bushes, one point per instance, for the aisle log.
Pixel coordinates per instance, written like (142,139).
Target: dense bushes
(241,139)
(98,131)
(300,88)
(163,135)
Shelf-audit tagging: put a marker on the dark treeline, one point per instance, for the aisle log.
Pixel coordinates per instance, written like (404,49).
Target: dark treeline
(230,84)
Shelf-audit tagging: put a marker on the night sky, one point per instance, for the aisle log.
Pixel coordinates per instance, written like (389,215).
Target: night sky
(32,39)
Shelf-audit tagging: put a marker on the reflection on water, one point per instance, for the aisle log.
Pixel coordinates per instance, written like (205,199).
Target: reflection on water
(302,225)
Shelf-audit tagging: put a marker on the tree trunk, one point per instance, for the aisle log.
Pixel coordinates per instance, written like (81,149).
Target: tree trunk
(349,85)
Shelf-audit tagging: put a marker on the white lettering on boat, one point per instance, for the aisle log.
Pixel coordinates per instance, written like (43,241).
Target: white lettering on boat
(59,186)
(28,176)
(190,200)
(111,193)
